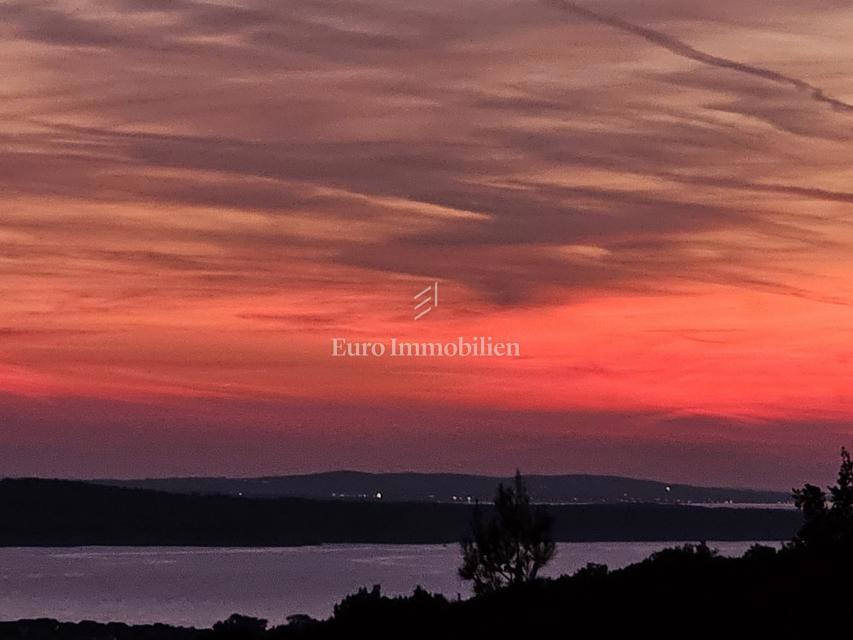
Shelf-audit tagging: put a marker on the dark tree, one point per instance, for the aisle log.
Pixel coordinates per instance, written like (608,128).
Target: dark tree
(811,500)
(512,546)
(842,492)
(828,519)
(239,627)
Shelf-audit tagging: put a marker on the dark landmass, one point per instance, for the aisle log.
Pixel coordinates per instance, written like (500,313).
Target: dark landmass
(444,487)
(39,512)
(800,590)
(684,592)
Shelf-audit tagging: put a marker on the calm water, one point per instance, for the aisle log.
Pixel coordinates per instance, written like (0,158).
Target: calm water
(197,587)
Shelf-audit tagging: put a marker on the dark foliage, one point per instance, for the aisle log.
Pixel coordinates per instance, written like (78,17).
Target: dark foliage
(686,592)
(510,548)
(828,518)
(239,627)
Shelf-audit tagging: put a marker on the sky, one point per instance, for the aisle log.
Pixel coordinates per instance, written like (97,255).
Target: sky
(653,199)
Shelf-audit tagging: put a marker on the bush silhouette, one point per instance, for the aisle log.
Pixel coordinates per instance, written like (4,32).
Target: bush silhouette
(238,627)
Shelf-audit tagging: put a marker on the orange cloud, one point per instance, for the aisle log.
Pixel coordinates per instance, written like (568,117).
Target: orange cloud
(654,200)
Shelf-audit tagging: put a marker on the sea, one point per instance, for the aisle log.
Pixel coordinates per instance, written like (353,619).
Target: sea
(199,586)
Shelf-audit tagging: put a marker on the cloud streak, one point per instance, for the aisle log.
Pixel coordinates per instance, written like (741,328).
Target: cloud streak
(196,196)
(684,50)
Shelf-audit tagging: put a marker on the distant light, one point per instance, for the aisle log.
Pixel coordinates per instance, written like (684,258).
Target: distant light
(668,488)
(379,495)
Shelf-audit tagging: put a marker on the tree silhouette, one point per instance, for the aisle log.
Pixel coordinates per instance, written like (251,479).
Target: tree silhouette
(512,546)
(842,492)
(828,518)
(238,627)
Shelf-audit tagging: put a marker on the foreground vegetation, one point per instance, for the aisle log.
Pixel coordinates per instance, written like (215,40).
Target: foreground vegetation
(687,591)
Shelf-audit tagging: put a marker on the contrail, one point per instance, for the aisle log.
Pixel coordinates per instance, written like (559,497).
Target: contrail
(684,50)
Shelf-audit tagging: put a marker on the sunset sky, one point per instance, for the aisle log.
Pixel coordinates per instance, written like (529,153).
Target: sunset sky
(654,199)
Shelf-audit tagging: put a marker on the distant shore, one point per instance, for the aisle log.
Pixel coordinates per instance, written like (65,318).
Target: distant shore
(65,513)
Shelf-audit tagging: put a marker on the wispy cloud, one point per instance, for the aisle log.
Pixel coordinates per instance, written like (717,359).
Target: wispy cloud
(595,176)
(684,50)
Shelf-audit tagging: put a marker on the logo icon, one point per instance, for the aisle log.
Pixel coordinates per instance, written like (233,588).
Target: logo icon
(428,300)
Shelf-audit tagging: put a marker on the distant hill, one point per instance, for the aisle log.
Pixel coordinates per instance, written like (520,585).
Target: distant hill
(444,487)
(35,512)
